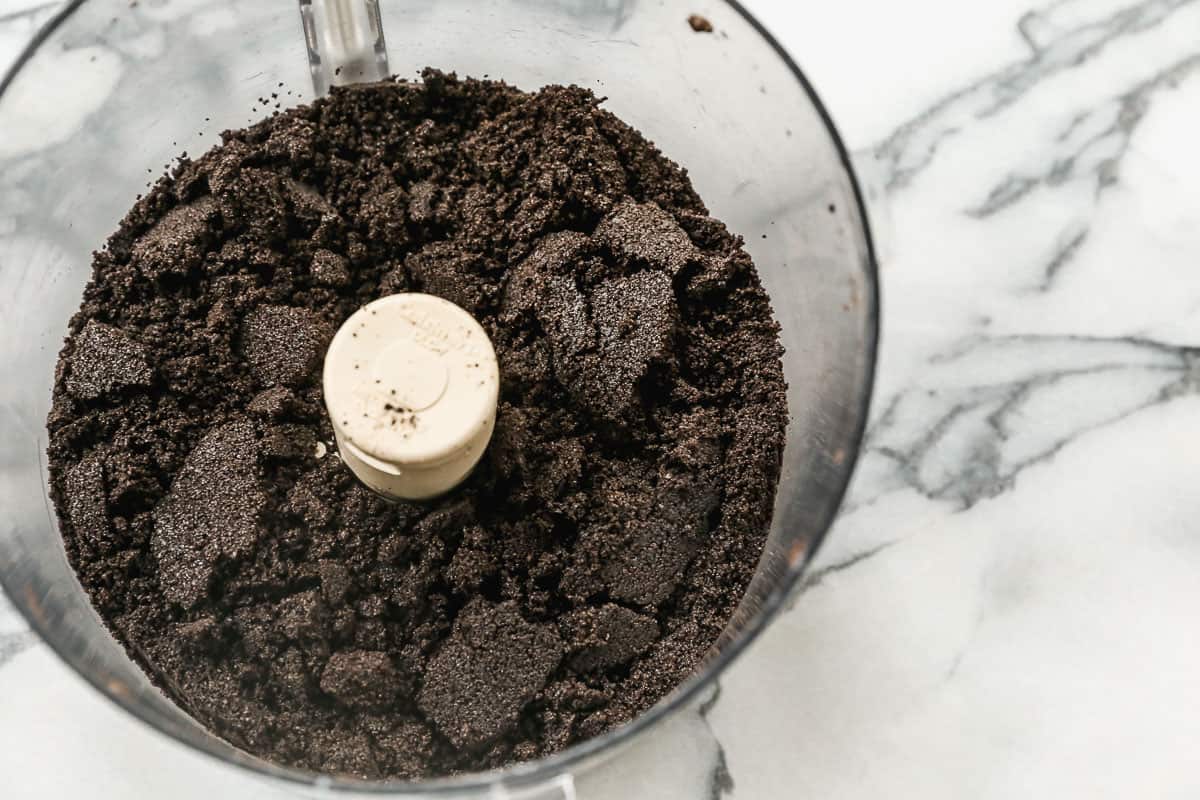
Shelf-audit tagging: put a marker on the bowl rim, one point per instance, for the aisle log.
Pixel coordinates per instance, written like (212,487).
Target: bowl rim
(544,770)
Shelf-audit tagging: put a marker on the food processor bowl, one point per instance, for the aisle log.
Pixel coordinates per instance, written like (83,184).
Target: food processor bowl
(111,91)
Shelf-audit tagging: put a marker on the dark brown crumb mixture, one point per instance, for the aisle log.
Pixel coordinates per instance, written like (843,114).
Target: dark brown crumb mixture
(584,568)
(700,24)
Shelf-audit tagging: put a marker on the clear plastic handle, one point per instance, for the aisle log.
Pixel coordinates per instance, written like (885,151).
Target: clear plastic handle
(345,42)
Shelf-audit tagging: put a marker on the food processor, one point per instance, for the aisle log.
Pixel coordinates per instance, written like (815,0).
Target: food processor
(111,91)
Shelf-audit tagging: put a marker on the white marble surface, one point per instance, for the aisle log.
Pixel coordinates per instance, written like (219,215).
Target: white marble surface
(1006,606)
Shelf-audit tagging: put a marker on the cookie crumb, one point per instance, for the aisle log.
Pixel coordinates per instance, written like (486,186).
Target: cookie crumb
(592,558)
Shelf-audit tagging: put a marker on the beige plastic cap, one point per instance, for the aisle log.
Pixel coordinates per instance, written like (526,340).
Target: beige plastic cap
(411,384)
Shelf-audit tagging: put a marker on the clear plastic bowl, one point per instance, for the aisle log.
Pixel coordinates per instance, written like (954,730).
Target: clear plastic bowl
(112,91)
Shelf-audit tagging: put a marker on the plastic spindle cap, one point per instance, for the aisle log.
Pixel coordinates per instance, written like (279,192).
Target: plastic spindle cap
(411,384)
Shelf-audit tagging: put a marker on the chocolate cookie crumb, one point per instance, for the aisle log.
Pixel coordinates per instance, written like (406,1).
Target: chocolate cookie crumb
(104,361)
(84,500)
(642,234)
(330,269)
(492,665)
(284,345)
(608,636)
(210,513)
(361,679)
(700,24)
(177,242)
(595,554)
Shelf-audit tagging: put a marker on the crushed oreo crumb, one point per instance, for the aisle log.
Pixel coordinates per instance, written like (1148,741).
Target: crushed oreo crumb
(586,566)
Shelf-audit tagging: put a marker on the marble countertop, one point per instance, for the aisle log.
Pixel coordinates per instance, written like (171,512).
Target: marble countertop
(1005,607)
